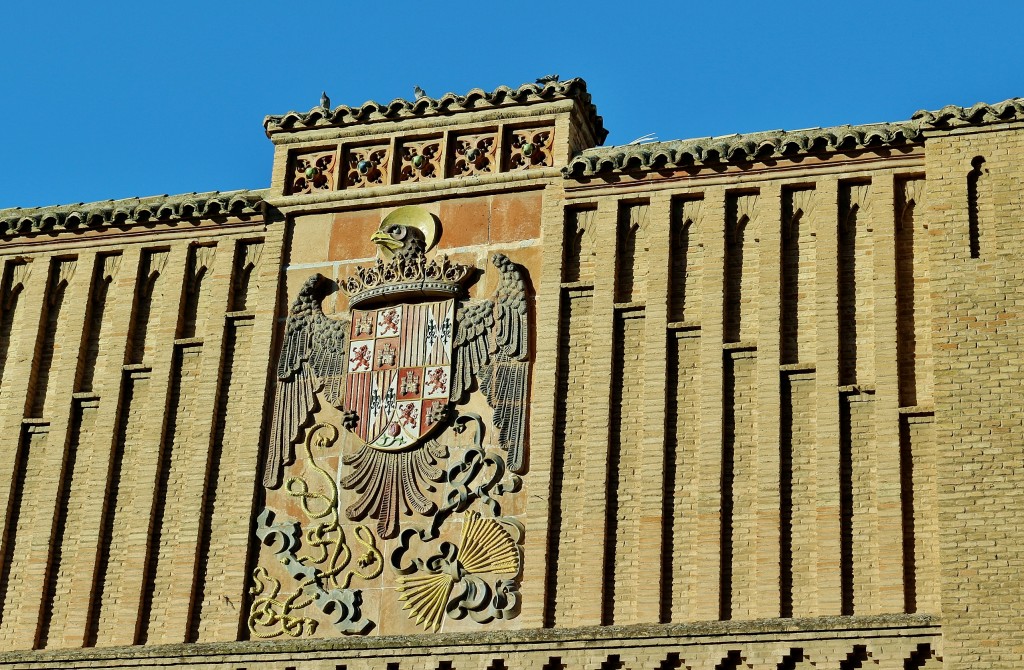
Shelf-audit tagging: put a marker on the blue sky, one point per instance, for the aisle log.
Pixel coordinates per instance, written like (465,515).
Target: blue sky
(111,100)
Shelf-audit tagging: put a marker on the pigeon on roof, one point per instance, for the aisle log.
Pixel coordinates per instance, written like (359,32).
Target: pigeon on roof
(548,79)
(325,101)
(419,92)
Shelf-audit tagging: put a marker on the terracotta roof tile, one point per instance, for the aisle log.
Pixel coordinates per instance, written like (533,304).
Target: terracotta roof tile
(449,103)
(737,148)
(18,221)
(779,143)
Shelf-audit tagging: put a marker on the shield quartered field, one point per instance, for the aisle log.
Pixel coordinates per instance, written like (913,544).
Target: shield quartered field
(399,372)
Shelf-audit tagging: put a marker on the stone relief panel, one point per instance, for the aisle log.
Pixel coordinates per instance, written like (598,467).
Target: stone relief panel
(467,153)
(421,160)
(394,469)
(314,171)
(531,148)
(367,166)
(474,154)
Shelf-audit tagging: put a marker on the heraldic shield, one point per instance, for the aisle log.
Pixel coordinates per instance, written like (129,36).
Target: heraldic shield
(399,372)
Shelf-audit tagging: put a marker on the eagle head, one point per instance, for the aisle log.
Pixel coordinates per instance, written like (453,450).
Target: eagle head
(400,241)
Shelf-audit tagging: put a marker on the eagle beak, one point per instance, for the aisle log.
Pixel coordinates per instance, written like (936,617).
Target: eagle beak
(387,244)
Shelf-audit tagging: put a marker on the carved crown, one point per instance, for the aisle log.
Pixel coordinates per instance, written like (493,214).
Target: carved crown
(405,277)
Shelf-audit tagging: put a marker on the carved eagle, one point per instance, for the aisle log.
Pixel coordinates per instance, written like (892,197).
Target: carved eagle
(490,345)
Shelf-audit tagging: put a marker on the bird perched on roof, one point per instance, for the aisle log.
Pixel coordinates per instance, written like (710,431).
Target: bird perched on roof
(325,102)
(548,79)
(419,92)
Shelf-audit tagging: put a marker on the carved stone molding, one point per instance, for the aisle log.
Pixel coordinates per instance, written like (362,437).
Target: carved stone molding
(856,205)
(201,263)
(153,267)
(909,198)
(111,266)
(16,276)
(250,255)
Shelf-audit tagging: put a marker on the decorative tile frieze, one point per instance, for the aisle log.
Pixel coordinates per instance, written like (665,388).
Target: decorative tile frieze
(421,160)
(530,148)
(367,166)
(474,154)
(418,159)
(314,171)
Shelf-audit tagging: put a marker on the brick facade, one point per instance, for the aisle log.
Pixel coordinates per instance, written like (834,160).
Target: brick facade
(773,402)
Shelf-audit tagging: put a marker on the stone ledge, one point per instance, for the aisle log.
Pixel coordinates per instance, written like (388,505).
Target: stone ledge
(688,634)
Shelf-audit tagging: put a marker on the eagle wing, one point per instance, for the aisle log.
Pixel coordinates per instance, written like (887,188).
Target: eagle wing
(471,348)
(506,387)
(312,359)
(491,343)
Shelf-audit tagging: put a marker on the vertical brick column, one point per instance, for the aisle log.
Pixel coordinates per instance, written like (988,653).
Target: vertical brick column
(648,601)
(826,328)
(570,504)
(231,504)
(709,501)
(594,570)
(889,556)
(42,494)
(979,427)
(14,387)
(766,598)
(180,538)
(133,518)
(69,626)
(539,545)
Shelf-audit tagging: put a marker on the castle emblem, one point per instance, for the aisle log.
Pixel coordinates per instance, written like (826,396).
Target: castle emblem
(412,347)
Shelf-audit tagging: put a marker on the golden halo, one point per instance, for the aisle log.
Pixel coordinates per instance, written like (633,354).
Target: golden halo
(414,217)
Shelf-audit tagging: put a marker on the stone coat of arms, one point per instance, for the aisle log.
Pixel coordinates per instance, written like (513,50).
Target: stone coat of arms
(411,350)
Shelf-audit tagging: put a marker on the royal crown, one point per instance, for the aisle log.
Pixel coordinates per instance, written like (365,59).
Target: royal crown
(405,277)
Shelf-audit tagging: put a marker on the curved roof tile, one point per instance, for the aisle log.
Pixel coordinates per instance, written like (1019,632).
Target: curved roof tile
(17,221)
(952,116)
(449,103)
(737,148)
(778,143)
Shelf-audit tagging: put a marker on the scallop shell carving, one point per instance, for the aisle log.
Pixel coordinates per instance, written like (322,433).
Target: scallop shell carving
(485,547)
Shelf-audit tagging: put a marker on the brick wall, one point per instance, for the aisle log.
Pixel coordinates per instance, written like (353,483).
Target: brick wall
(117,354)
(976,281)
(774,417)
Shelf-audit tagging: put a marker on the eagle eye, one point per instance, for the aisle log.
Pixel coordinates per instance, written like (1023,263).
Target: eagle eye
(397,232)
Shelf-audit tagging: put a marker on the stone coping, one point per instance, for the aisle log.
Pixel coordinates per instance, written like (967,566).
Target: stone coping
(448,104)
(632,636)
(18,221)
(774,144)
